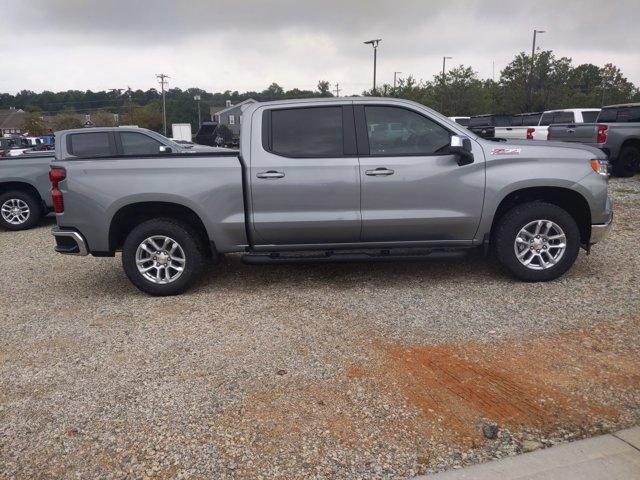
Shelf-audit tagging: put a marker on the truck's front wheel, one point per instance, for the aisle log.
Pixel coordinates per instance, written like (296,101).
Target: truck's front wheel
(162,257)
(537,241)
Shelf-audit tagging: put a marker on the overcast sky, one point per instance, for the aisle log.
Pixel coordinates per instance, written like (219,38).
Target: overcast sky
(246,45)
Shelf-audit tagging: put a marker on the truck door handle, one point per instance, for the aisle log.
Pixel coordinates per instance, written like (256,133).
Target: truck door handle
(379,172)
(270,174)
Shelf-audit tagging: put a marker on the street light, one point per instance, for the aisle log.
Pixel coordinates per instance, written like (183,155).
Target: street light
(197,99)
(444,63)
(394,81)
(533,53)
(374,44)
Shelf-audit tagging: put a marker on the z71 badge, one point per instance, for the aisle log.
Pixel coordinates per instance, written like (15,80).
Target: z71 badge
(505,151)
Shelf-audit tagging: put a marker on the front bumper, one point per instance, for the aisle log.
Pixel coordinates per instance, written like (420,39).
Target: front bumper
(600,231)
(70,242)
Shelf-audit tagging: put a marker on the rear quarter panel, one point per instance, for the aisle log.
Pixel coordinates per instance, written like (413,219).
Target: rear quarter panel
(31,170)
(95,190)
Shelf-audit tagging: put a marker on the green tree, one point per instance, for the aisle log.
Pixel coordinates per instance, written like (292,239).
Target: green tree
(34,124)
(66,121)
(149,116)
(102,118)
(324,88)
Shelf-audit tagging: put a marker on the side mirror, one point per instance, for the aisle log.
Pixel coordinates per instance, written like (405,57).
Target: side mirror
(461,146)
(165,149)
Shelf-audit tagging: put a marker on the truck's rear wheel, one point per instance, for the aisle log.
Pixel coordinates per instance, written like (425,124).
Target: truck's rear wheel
(19,210)
(162,257)
(627,163)
(537,241)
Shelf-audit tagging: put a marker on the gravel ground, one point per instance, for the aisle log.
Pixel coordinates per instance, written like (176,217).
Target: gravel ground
(337,370)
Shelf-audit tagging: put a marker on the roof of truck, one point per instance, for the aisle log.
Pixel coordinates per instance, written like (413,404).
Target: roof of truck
(623,105)
(574,110)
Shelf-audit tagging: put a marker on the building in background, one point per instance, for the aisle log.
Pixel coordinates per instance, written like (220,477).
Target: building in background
(11,121)
(229,115)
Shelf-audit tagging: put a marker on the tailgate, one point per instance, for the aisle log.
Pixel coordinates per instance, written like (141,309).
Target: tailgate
(574,132)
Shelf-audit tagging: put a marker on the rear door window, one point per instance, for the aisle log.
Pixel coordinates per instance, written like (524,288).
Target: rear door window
(90,144)
(139,144)
(531,120)
(314,132)
(608,115)
(564,117)
(589,117)
(547,119)
(463,121)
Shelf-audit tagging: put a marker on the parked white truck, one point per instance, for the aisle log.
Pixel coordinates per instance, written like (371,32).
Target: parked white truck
(521,126)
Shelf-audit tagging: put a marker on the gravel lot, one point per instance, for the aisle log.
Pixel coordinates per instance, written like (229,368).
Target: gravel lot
(341,370)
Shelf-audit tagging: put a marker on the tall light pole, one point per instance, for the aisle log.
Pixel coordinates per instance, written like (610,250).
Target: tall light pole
(394,81)
(533,53)
(197,99)
(374,44)
(162,79)
(444,64)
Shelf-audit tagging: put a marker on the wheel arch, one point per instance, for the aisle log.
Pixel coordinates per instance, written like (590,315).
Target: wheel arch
(570,200)
(129,216)
(630,142)
(25,187)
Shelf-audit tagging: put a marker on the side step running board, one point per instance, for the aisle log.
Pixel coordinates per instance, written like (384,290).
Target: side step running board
(337,257)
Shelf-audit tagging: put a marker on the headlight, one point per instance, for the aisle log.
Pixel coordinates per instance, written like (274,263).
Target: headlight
(601,167)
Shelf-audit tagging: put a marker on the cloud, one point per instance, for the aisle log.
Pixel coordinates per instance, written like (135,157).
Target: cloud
(220,45)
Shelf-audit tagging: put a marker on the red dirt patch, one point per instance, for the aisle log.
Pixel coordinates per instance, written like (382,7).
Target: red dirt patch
(421,399)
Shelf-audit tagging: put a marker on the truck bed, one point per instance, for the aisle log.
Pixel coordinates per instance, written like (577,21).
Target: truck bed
(574,132)
(209,184)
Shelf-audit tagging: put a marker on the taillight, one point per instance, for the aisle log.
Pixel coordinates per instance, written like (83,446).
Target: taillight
(602,133)
(530,132)
(56,175)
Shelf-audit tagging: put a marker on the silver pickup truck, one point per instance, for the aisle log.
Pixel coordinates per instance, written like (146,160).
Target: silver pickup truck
(24,190)
(616,132)
(327,180)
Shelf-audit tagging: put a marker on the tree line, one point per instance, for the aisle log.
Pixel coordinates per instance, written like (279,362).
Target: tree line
(524,85)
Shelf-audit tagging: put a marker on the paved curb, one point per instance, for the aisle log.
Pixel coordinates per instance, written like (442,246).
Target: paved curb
(608,457)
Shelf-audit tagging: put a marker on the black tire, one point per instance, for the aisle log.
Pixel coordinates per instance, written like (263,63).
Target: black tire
(184,235)
(35,209)
(509,226)
(627,163)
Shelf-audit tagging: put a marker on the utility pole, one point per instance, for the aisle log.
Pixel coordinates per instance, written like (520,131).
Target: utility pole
(130,105)
(530,82)
(444,64)
(337,89)
(394,81)
(374,44)
(197,99)
(162,80)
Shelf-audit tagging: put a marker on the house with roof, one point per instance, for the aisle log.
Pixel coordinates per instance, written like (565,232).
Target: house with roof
(11,121)
(229,115)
